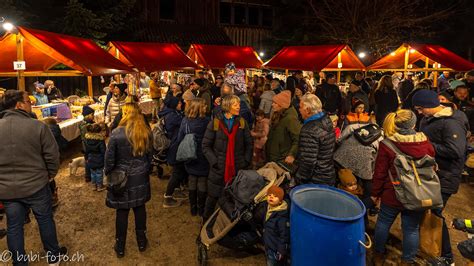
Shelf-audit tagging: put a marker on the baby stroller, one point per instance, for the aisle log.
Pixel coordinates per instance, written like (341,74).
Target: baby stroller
(235,224)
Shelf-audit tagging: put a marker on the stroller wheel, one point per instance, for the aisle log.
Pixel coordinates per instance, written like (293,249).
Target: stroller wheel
(202,255)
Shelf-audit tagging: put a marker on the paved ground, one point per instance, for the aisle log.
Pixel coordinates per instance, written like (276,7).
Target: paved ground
(86,226)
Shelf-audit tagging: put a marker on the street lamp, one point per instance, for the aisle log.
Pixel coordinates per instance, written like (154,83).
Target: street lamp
(261,54)
(7,26)
(362,54)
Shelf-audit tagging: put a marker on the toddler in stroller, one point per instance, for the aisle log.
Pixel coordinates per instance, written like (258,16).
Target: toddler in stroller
(238,221)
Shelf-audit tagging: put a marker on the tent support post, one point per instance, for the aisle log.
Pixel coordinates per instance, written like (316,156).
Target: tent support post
(407,55)
(339,66)
(286,73)
(89,86)
(435,79)
(427,65)
(20,57)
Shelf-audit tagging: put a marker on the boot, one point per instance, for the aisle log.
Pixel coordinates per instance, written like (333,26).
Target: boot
(193,202)
(378,259)
(201,202)
(120,247)
(170,202)
(142,241)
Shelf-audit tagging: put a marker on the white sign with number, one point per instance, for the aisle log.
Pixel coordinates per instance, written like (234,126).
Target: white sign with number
(19,65)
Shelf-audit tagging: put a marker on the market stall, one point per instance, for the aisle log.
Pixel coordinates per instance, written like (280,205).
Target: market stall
(37,52)
(422,58)
(316,58)
(217,56)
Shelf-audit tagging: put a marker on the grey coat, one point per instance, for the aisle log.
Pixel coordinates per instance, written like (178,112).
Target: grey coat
(29,155)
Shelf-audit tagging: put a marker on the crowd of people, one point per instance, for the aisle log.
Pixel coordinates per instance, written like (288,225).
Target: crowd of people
(308,128)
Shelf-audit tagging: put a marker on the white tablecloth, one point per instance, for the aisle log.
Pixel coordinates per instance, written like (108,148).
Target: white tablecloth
(70,128)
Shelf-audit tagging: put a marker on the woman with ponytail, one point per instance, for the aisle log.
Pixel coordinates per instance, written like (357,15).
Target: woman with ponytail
(399,129)
(129,150)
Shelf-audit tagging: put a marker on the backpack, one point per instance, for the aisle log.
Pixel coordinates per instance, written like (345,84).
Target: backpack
(416,184)
(366,135)
(160,141)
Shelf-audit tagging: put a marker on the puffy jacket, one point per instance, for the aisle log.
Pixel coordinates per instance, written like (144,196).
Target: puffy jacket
(283,137)
(315,151)
(95,150)
(113,108)
(119,157)
(196,126)
(29,155)
(416,146)
(173,120)
(214,147)
(276,234)
(447,132)
(266,101)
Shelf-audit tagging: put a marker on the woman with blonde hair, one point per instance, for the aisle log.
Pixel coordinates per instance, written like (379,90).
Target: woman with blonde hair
(130,150)
(228,147)
(399,129)
(195,122)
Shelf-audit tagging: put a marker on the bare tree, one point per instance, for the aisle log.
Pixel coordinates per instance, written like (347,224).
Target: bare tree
(378,25)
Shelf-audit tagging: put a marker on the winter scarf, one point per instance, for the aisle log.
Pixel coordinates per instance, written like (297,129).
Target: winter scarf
(283,206)
(229,157)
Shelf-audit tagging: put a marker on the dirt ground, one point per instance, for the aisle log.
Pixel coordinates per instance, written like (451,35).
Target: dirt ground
(87,227)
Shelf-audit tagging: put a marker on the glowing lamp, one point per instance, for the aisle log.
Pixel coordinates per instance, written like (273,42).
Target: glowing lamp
(8,26)
(362,54)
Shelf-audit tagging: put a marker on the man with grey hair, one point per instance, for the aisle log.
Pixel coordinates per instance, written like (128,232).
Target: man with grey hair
(316,144)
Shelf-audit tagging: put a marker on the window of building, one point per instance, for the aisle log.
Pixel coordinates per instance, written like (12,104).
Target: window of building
(240,15)
(254,16)
(167,9)
(225,13)
(267,17)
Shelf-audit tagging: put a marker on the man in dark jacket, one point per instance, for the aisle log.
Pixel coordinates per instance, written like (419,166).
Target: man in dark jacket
(469,81)
(359,76)
(406,86)
(355,93)
(316,144)
(29,158)
(329,94)
(446,129)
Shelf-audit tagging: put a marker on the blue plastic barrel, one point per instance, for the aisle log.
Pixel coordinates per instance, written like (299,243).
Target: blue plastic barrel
(326,225)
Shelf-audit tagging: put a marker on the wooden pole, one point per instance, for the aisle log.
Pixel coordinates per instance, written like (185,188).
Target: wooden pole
(90,91)
(407,56)
(435,78)
(339,66)
(286,73)
(427,66)
(20,57)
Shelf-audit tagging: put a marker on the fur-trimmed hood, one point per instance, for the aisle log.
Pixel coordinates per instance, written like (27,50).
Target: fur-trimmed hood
(95,136)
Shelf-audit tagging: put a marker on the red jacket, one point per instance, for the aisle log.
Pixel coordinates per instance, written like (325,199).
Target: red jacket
(416,146)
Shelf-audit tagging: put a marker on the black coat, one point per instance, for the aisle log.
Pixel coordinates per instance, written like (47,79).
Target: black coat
(173,120)
(214,147)
(406,86)
(119,156)
(330,97)
(386,101)
(448,136)
(276,234)
(94,144)
(60,140)
(196,126)
(352,96)
(315,153)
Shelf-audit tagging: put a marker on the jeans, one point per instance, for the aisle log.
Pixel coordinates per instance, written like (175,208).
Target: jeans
(446,242)
(41,205)
(410,229)
(121,221)
(177,176)
(97,176)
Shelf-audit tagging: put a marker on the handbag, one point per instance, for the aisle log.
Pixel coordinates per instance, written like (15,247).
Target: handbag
(366,135)
(187,149)
(117,181)
(431,234)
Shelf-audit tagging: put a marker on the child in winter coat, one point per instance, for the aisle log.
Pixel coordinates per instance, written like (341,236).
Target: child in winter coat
(348,182)
(95,153)
(357,115)
(259,134)
(276,227)
(88,119)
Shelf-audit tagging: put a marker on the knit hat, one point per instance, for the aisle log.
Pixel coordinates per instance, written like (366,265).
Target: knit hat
(122,87)
(87,110)
(39,85)
(453,84)
(346,177)
(425,99)
(277,192)
(188,95)
(406,127)
(172,102)
(199,82)
(283,99)
(356,102)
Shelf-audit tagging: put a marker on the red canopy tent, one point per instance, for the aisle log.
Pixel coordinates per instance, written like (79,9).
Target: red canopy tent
(316,58)
(151,56)
(217,56)
(41,50)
